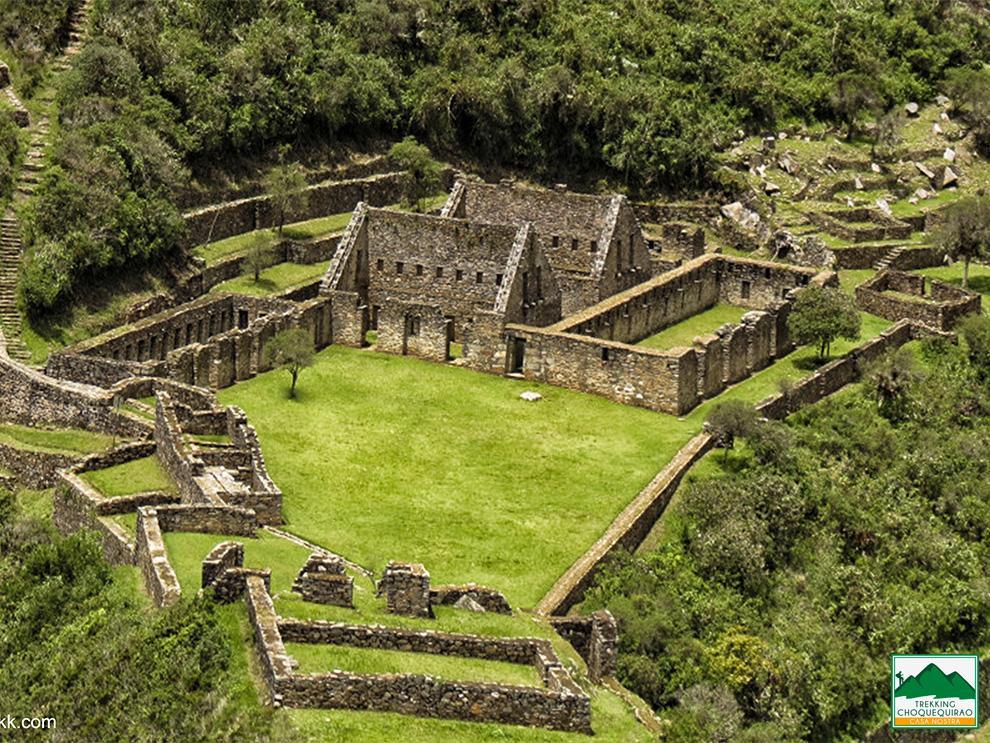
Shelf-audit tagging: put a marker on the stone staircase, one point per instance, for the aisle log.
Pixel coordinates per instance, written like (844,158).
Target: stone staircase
(889,259)
(10,259)
(39,134)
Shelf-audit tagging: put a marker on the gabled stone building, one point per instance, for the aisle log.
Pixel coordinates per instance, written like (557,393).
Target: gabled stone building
(438,287)
(593,243)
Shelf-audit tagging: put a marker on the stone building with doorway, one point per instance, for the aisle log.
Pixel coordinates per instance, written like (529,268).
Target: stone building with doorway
(437,287)
(594,244)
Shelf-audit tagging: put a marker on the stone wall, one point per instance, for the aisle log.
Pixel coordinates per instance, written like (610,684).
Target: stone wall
(224,573)
(220,221)
(907,259)
(941,308)
(75,508)
(152,559)
(487,598)
(406,588)
(595,637)
(323,580)
(658,380)
(34,399)
(35,469)
(208,519)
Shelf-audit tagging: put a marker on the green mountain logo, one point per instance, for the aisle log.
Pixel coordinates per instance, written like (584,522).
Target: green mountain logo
(932,682)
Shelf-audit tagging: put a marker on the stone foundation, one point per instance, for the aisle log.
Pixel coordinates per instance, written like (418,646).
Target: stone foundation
(941,307)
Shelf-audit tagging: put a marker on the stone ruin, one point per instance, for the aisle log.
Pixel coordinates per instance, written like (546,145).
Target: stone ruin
(406,588)
(323,580)
(896,295)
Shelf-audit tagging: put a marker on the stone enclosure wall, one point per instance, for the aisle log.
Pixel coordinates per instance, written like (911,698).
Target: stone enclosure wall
(896,295)
(592,351)
(560,705)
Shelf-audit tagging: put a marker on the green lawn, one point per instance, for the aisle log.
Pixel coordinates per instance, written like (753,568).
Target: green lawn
(275,279)
(127,521)
(384,457)
(63,441)
(140,476)
(704,323)
(979,276)
(324,658)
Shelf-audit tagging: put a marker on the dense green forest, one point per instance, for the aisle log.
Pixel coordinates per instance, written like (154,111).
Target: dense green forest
(640,92)
(32,32)
(79,646)
(857,529)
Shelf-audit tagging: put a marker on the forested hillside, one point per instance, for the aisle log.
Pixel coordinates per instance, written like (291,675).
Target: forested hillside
(640,92)
(787,576)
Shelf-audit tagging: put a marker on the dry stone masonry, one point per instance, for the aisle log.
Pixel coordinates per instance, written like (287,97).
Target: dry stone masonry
(896,295)
(323,580)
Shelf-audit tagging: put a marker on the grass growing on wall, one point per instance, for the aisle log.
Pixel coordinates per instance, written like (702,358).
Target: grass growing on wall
(139,476)
(382,457)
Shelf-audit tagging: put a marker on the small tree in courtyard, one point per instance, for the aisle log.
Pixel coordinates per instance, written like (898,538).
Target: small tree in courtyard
(285,185)
(291,350)
(965,233)
(728,421)
(820,315)
(422,169)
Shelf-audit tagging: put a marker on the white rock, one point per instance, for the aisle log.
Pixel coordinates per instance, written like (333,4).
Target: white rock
(874,167)
(922,194)
(925,171)
(913,200)
(936,129)
(944,116)
(912,108)
(530,396)
(782,135)
(770,188)
(859,184)
(849,202)
(942,100)
(883,206)
(949,155)
(949,178)
(469,604)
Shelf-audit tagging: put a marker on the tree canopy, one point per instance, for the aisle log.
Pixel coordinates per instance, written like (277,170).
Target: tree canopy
(820,315)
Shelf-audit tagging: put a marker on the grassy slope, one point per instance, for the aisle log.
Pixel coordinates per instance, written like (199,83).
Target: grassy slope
(275,279)
(140,476)
(404,459)
(684,333)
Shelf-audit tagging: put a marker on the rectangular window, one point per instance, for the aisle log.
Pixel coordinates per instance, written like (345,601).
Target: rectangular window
(458,275)
(555,240)
(479,277)
(746,286)
(574,243)
(439,272)
(381,264)
(414,326)
(594,246)
(605,354)
(399,266)
(419,270)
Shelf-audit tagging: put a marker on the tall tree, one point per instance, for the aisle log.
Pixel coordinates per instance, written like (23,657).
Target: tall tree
(285,185)
(965,233)
(820,315)
(853,94)
(728,421)
(423,171)
(291,350)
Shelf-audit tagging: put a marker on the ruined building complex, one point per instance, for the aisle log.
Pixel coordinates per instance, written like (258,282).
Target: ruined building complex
(546,285)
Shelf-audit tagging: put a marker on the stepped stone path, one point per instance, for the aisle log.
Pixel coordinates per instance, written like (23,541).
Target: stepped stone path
(39,131)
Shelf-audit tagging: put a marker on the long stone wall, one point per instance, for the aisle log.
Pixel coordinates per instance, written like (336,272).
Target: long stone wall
(220,221)
(34,399)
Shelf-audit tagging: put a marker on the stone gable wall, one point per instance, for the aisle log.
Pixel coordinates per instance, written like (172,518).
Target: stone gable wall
(152,559)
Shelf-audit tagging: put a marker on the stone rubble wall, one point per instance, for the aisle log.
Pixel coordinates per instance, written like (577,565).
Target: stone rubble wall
(488,598)
(33,468)
(207,519)
(224,556)
(860,257)
(406,588)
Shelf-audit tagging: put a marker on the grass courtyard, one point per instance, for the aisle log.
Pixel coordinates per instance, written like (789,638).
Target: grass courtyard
(704,323)
(382,457)
(275,279)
